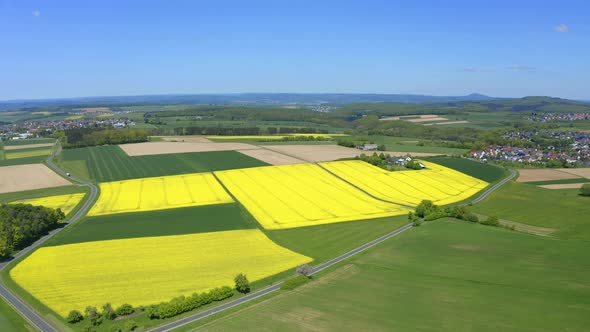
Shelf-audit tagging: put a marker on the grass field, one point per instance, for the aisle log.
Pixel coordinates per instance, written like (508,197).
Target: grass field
(11,321)
(38,193)
(563,210)
(23,161)
(325,242)
(27,153)
(131,271)
(564,181)
(439,184)
(486,172)
(300,195)
(404,144)
(210,218)
(110,163)
(29,141)
(159,193)
(444,276)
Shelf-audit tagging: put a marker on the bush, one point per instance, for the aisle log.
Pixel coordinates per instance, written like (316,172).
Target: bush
(115,328)
(585,189)
(130,325)
(491,221)
(124,310)
(74,316)
(108,312)
(182,304)
(91,313)
(472,218)
(425,208)
(294,282)
(242,283)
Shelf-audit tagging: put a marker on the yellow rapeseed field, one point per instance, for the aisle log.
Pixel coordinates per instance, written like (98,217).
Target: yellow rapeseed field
(143,271)
(158,193)
(437,183)
(301,195)
(65,202)
(26,154)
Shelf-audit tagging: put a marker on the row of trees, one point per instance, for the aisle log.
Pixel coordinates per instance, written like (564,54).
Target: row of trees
(174,307)
(23,224)
(245,131)
(427,210)
(80,137)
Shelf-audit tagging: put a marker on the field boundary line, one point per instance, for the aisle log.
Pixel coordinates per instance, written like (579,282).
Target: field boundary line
(363,191)
(13,299)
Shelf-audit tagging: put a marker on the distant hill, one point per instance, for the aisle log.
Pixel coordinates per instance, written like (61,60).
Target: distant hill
(526,104)
(244,99)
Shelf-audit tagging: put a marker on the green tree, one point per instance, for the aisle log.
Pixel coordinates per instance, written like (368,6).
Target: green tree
(74,316)
(585,189)
(108,311)
(124,310)
(242,283)
(91,313)
(491,221)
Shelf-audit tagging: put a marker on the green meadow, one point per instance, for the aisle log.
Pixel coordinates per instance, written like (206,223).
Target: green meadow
(444,276)
(111,163)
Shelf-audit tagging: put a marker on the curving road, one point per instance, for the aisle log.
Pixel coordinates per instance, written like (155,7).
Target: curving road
(26,311)
(493,188)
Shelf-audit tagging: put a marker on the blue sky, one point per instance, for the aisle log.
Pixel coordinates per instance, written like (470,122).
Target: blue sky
(52,48)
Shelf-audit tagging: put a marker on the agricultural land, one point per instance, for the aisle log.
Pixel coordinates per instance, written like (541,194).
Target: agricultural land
(295,217)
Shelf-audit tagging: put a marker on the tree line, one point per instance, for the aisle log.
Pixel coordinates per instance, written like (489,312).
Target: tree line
(81,137)
(23,224)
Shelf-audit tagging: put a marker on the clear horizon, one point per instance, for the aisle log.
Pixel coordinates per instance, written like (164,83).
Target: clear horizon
(68,49)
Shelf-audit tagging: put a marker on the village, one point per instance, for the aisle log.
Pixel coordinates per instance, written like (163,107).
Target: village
(549,117)
(42,128)
(537,148)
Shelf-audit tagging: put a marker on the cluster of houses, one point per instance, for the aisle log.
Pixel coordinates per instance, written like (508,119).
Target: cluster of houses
(548,117)
(34,128)
(577,152)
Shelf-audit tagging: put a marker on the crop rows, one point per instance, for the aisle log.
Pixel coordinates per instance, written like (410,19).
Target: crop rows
(158,193)
(64,202)
(301,195)
(436,183)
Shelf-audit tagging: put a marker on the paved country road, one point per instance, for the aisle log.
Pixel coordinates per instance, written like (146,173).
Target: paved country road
(29,313)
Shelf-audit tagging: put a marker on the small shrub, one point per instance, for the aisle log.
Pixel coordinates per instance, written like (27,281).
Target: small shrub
(130,325)
(74,317)
(115,328)
(585,189)
(491,221)
(108,312)
(91,313)
(124,310)
(472,218)
(242,283)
